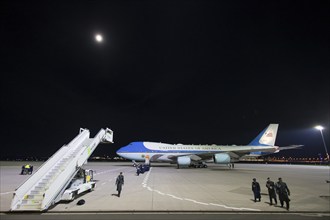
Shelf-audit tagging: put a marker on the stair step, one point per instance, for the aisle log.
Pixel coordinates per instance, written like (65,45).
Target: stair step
(35,207)
(37,192)
(39,188)
(37,196)
(42,183)
(54,170)
(31,202)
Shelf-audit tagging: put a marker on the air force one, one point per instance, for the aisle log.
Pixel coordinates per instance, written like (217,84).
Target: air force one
(190,155)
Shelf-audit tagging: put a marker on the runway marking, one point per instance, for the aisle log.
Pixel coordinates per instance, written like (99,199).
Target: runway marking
(202,203)
(107,171)
(4,193)
(145,185)
(111,179)
(157,191)
(174,197)
(190,200)
(145,180)
(102,172)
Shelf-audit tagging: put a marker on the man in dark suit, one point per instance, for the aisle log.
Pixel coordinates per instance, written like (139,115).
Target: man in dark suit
(271,191)
(120,183)
(256,190)
(283,193)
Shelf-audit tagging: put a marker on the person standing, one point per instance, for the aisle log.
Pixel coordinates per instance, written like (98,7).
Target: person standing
(138,169)
(283,193)
(271,191)
(256,190)
(120,182)
(23,170)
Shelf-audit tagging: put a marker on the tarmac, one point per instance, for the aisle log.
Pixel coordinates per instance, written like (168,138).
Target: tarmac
(167,189)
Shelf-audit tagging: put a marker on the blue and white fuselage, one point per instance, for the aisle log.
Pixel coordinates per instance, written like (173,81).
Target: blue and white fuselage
(183,154)
(162,152)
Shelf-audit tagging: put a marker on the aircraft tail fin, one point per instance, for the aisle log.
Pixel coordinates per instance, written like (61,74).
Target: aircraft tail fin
(267,137)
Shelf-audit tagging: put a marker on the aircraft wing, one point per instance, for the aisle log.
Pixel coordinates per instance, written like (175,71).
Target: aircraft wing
(233,151)
(262,153)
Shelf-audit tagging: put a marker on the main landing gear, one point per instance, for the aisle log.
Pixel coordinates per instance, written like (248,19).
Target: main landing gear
(231,165)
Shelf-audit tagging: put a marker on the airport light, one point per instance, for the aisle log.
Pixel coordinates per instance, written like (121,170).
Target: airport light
(320,128)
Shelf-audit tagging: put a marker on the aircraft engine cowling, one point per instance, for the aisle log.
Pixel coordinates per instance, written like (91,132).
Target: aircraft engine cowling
(184,161)
(221,158)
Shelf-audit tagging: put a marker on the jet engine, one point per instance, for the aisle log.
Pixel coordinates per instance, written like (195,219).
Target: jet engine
(184,161)
(221,158)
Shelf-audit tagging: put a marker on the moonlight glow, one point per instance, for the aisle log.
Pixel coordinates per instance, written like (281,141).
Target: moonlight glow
(98,38)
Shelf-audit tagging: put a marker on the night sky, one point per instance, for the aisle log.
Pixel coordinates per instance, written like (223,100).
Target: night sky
(191,72)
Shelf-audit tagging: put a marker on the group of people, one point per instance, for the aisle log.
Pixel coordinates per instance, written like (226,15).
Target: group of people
(141,168)
(27,169)
(279,188)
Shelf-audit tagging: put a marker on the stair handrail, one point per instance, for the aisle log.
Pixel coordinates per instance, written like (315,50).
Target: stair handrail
(28,184)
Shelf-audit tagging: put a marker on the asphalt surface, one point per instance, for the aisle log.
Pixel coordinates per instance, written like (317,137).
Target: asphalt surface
(165,216)
(169,193)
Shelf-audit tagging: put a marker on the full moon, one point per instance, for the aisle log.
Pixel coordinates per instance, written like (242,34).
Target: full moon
(98,38)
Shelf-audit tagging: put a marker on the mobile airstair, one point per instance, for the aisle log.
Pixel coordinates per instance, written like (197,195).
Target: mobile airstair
(46,186)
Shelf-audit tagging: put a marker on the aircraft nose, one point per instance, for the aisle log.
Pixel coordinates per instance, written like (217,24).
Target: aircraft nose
(122,152)
(119,151)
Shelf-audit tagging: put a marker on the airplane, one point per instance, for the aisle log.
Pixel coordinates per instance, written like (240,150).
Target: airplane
(195,155)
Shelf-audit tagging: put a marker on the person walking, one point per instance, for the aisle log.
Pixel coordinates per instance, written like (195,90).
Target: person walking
(256,190)
(120,182)
(271,191)
(283,193)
